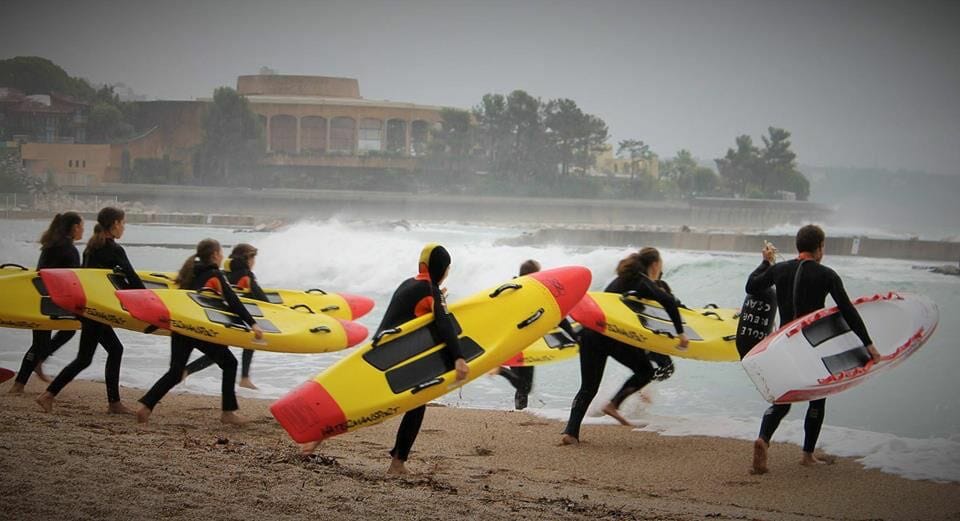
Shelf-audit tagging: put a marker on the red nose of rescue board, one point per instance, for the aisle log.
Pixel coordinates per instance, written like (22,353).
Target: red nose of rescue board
(309,413)
(359,306)
(567,285)
(356,333)
(590,314)
(65,289)
(145,305)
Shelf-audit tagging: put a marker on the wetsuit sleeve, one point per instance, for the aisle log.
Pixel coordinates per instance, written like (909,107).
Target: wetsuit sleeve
(74,258)
(667,301)
(233,301)
(44,260)
(760,279)
(444,323)
(848,310)
(255,290)
(565,325)
(124,263)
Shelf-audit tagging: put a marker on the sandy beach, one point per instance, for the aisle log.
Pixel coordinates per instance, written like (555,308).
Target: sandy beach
(81,463)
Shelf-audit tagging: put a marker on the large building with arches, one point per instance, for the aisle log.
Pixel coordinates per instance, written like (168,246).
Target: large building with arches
(323,121)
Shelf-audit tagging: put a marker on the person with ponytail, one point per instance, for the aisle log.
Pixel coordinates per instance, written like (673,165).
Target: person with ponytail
(202,270)
(102,252)
(239,270)
(416,296)
(636,273)
(56,251)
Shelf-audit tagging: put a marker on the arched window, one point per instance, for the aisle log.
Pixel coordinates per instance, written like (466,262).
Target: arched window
(313,134)
(283,133)
(419,130)
(370,130)
(396,135)
(342,132)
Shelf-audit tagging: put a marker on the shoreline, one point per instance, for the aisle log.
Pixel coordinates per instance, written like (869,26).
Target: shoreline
(472,463)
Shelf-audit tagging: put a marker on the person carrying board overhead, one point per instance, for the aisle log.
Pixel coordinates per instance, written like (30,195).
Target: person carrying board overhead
(802,287)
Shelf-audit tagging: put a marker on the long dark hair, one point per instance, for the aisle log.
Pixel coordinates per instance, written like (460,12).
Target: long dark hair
(241,254)
(529,266)
(205,250)
(636,264)
(59,230)
(106,218)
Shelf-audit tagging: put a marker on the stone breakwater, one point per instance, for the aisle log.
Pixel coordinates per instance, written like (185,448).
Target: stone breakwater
(908,249)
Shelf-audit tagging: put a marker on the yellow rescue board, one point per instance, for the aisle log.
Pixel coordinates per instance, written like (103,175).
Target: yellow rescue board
(645,324)
(205,316)
(406,367)
(26,303)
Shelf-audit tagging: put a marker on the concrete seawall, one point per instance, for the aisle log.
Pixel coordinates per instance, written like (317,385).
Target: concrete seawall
(855,246)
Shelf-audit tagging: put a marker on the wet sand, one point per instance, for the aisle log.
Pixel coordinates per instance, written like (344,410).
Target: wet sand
(81,463)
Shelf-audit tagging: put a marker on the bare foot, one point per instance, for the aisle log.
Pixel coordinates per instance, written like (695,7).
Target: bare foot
(16,388)
(397,468)
(143,415)
(567,439)
(247,383)
(309,448)
(232,418)
(809,460)
(759,457)
(38,370)
(45,401)
(611,410)
(119,408)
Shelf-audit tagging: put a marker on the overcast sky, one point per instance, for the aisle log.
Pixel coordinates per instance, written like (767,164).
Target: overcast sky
(858,83)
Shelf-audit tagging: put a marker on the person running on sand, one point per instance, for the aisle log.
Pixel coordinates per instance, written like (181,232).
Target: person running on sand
(102,252)
(414,297)
(637,272)
(202,270)
(813,281)
(57,251)
(521,378)
(239,270)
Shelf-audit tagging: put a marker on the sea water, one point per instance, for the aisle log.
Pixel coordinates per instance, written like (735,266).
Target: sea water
(906,422)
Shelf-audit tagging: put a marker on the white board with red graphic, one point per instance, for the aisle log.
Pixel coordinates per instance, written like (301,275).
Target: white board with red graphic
(818,355)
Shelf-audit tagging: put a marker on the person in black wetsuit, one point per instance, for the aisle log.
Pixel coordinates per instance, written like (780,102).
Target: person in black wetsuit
(102,252)
(414,297)
(239,271)
(637,272)
(202,270)
(663,367)
(813,281)
(521,378)
(57,251)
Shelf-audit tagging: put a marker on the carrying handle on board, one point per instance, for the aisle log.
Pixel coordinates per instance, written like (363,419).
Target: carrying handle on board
(12,265)
(509,285)
(385,332)
(320,329)
(332,307)
(663,333)
(531,319)
(712,306)
(712,314)
(315,290)
(430,383)
(303,306)
(242,327)
(162,276)
(729,338)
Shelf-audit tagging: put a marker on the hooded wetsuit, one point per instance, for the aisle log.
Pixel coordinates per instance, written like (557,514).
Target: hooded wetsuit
(417,296)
